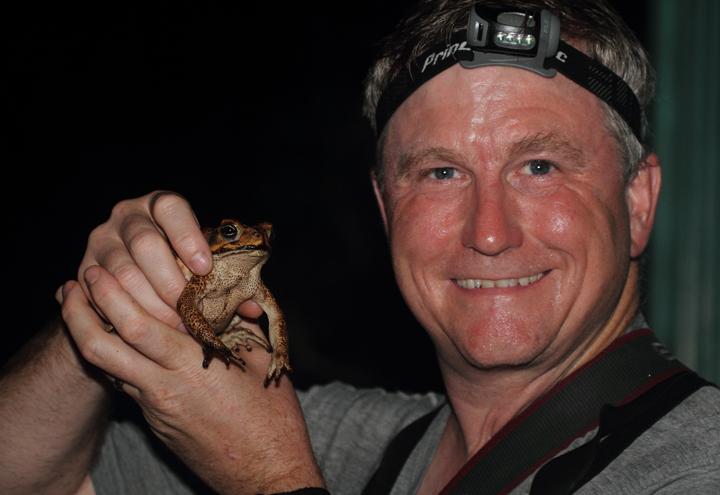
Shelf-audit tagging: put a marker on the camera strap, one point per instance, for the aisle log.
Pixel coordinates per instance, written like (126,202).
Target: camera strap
(622,392)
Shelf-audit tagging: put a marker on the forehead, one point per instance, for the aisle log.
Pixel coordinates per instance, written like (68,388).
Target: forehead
(489,110)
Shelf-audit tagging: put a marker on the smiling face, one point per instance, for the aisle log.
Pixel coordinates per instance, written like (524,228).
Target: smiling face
(508,216)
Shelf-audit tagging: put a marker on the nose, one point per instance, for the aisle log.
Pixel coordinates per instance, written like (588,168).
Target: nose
(492,221)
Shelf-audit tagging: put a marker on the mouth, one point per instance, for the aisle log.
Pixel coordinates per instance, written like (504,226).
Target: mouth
(476,283)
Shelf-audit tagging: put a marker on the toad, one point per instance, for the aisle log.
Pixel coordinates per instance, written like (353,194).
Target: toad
(239,252)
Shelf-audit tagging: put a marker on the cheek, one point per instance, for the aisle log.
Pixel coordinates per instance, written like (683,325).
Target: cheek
(421,228)
(590,232)
(558,224)
(574,223)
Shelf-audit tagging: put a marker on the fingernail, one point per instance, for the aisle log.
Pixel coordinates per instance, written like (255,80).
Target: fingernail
(66,287)
(183,329)
(92,274)
(60,294)
(201,262)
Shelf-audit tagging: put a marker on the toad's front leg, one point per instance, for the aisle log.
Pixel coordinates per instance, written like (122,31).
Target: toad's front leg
(198,326)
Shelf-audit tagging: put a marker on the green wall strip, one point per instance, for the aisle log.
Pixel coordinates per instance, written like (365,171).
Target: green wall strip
(683,271)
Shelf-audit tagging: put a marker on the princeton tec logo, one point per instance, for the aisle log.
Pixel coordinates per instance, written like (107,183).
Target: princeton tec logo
(433,58)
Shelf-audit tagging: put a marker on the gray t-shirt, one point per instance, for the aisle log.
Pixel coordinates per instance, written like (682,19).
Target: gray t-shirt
(351,428)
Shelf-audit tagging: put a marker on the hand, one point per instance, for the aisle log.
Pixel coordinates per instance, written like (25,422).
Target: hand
(234,433)
(133,246)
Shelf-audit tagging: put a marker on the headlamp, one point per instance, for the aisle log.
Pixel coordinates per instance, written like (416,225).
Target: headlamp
(528,40)
(513,39)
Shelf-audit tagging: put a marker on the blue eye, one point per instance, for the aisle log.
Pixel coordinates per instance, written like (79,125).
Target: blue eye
(539,167)
(443,173)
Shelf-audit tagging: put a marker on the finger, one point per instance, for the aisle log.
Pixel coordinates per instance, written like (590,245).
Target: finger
(105,350)
(115,257)
(123,386)
(146,268)
(250,309)
(130,247)
(153,339)
(173,214)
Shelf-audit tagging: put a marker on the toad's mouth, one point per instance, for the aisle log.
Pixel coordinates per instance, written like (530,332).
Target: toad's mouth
(476,283)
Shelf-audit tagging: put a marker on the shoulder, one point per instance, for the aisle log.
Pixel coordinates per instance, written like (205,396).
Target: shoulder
(354,414)
(678,454)
(338,401)
(350,428)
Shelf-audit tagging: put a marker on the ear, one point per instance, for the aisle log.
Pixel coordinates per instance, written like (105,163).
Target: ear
(642,196)
(380,200)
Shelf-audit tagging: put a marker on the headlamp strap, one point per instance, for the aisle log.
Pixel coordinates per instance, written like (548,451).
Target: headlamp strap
(600,81)
(569,61)
(426,66)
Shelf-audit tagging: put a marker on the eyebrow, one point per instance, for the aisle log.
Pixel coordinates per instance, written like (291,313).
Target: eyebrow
(543,142)
(411,158)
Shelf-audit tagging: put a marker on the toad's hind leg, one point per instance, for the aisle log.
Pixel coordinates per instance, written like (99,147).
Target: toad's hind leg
(216,345)
(238,335)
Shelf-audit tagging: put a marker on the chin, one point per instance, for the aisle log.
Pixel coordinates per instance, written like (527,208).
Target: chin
(509,346)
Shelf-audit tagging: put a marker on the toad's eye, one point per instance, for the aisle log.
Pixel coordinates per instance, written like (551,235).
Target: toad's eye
(229,232)
(443,173)
(538,167)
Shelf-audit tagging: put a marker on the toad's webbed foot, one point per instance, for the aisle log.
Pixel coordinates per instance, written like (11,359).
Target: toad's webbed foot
(216,346)
(242,336)
(278,363)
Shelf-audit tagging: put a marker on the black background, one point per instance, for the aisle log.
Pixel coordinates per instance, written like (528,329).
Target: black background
(250,111)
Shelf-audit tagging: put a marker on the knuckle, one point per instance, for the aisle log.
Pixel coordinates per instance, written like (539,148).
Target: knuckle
(143,241)
(166,401)
(175,286)
(123,209)
(98,240)
(168,316)
(128,275)
(169,199)
(92,349)
(112,260)
(97,234)
(188,240)
(167,202)
(134,331)
(102,295)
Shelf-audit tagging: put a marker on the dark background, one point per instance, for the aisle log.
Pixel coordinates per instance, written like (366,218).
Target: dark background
(251,112)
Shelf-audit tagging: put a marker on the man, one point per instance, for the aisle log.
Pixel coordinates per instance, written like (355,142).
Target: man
(517,204)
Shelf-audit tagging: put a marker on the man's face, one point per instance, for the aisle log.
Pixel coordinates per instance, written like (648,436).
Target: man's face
(496,177)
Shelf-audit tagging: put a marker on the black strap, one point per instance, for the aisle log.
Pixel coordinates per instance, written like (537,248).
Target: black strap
(631,365)
(397,452)
(600,81)
(571,62)
(619,427)
(426,66)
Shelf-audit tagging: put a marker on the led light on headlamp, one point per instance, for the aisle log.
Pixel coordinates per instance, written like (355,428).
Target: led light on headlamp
(514,39)
(503,36)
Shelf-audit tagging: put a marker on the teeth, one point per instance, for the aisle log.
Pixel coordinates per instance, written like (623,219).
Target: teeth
(476,283)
